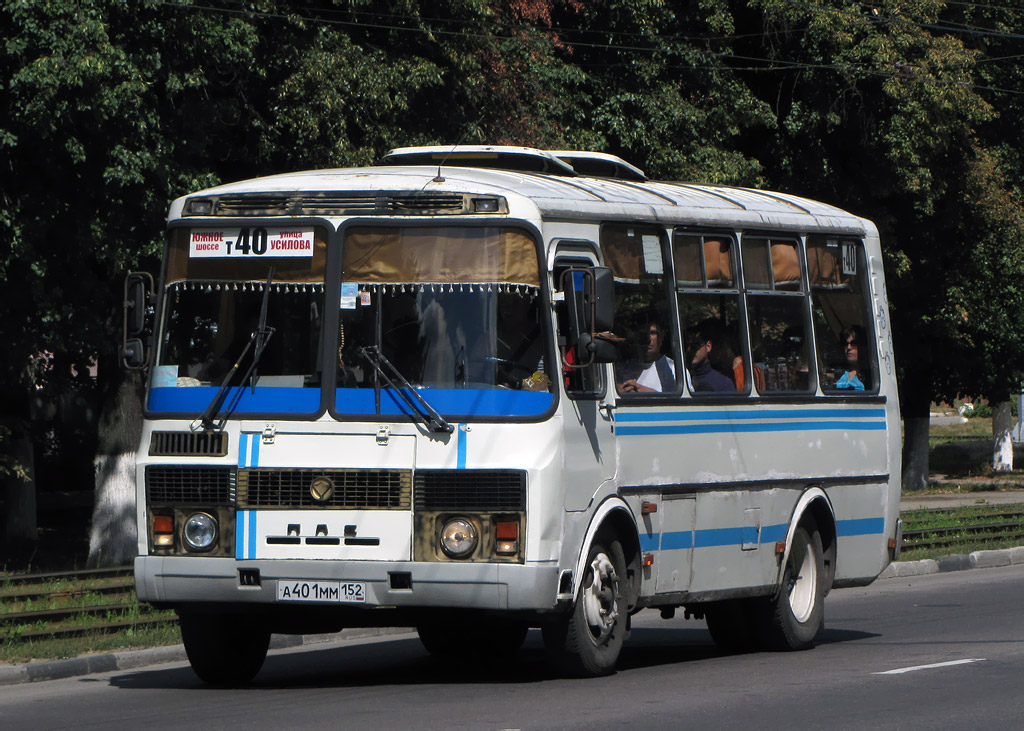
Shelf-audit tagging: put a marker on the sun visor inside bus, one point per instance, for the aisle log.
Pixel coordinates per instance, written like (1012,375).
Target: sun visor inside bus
(388,256)
(785,264)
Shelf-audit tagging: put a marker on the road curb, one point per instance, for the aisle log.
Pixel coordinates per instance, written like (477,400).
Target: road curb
(956,562)
(132,659)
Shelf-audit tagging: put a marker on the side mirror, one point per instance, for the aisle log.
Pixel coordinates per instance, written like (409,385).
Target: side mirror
(138,296)
(590,299)
(604,299)
(136,302)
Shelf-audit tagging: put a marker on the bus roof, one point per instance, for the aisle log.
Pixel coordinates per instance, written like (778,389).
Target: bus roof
(557,190)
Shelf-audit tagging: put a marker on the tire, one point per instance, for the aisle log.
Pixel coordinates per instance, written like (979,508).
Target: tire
(796,614)
(449,640)
(588,640)
(733,625)
(224,650)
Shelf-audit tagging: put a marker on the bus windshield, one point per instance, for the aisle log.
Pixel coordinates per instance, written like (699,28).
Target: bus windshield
(217,282)
(454,309)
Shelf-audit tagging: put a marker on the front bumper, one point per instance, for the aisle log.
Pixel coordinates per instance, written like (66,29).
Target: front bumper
(174,580)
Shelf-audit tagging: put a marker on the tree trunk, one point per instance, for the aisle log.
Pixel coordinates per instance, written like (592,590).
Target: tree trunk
(915,453)
(113,536)
(1002,437)
(917,401)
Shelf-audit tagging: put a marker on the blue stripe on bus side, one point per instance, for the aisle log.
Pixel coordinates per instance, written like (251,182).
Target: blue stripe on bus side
(860,527)
(774,533)
(717,537)
(749,428)
(676,540)
(254,457)
(720,414)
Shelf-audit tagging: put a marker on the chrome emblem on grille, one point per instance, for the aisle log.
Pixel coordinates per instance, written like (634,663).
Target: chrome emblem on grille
(321,488)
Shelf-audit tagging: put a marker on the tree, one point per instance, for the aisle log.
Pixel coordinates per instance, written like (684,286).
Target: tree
(878,112)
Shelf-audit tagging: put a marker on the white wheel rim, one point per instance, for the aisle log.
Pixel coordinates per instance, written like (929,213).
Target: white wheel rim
(599,597)
(803,584)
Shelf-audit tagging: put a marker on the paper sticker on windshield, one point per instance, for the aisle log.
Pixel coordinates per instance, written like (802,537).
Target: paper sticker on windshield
(250,243)
(652,254)
(348,295)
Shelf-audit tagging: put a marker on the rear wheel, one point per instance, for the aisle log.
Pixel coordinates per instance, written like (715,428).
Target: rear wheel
(588,640)
(796,614)
(224,649)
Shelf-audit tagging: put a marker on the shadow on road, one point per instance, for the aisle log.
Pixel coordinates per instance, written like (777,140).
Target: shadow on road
(399,662)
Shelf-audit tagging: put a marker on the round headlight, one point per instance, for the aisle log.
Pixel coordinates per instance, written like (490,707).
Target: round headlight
(200,531)
(458,538)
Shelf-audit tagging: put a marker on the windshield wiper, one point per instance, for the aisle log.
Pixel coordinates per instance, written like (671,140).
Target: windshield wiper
(412,398)
(259,338)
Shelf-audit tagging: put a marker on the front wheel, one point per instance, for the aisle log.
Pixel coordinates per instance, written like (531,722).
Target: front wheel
(224,650)
(589,639)
(796,614)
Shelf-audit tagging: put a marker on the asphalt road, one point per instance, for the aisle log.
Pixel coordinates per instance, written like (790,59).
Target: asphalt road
(936,651)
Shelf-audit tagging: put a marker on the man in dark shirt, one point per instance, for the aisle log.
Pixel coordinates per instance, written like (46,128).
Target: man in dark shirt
(705,337)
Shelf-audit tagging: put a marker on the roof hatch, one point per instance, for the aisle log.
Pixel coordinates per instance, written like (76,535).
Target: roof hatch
(570,163)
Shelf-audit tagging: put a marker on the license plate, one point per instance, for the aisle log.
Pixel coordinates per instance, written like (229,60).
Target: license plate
(321,591)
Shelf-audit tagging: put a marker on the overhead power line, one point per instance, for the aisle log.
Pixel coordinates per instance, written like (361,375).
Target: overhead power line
(763,64)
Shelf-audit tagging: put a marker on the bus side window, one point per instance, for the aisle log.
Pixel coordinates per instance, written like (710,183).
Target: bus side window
(644,329)
(777,312)
(846,352)
(709,313)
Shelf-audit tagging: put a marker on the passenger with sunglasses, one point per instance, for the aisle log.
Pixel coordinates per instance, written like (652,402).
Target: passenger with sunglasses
(850,340)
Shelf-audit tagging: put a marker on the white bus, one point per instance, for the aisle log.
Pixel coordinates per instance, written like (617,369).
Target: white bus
(477,390)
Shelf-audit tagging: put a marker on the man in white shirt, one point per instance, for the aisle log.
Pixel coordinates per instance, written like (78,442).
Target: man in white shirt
(657,372)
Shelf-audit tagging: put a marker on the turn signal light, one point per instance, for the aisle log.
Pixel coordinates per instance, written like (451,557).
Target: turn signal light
(507,534)
(163,530)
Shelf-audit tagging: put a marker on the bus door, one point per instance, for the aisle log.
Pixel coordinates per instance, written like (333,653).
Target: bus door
(590,457)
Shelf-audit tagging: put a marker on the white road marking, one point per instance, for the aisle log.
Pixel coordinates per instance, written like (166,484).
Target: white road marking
(898,671)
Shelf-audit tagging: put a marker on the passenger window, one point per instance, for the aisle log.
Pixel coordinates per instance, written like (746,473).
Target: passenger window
(847,358)
(777,316)
(709,313)
(644,329)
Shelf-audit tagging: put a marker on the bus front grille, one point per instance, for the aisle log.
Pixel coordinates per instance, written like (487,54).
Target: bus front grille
(338,489)
(470,490)
(188,485)
(185,444)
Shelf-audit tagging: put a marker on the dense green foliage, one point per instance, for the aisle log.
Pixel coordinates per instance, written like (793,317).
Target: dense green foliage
(904,111)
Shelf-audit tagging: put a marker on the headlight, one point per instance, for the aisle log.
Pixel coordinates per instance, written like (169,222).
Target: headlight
(458,538)
(200,531)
